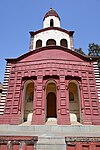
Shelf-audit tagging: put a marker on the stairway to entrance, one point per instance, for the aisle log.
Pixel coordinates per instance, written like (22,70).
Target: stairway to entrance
(51,121)
(47,142)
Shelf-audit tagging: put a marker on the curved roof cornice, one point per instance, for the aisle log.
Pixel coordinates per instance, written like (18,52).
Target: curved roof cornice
(52,28)
(83,57)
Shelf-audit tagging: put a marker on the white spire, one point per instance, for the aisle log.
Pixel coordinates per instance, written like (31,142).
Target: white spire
(51,19)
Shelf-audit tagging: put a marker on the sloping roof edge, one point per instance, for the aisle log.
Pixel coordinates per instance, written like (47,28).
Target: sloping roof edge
(84,57)
(51,28)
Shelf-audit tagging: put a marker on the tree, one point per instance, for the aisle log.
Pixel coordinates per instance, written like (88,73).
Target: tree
(94,49)
(79,50)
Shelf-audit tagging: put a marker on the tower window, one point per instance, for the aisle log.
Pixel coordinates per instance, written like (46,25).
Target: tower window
(38,43)
(64,43)
(51,42)
(51,23)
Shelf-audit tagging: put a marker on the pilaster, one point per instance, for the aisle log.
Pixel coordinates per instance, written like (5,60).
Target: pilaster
(38,113)
(63,113)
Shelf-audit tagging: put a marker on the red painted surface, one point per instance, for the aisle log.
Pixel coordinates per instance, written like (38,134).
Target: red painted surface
(16,143)
(82,143)
(17,147)
(84,146)
(3,147)
(62,66)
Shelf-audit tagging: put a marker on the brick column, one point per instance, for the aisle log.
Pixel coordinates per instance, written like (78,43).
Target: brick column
(81,104)
(63,115)
(67,102)
(71,42)
(31,43)
(38,113)
(86,112)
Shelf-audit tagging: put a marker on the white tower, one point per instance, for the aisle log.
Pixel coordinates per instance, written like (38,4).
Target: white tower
(51,19)
(52,33)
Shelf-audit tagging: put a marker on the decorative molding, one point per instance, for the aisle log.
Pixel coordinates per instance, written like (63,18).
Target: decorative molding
(35,87)
(58,87)
(44,87)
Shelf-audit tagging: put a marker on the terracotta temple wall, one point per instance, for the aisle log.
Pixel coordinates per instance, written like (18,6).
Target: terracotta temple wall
(62,71)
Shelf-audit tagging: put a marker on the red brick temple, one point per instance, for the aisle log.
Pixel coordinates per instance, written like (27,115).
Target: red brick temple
(52,82)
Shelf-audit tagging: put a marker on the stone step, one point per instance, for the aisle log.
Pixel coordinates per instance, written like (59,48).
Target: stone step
(51,121)
(27,123)
(51,143)
(50,137)
(51,147)
(48,130)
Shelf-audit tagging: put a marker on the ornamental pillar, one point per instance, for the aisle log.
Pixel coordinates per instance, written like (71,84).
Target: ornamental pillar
(38,113)
(63,113)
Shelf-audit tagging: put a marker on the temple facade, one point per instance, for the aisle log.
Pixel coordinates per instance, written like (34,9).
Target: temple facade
(50,99)
(51,81)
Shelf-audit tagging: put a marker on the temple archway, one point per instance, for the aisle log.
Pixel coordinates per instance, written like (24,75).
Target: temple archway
(74,100)
(28,98)
(51,100)
(51,105)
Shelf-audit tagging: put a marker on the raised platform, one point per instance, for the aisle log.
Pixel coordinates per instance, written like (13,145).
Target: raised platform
(50,136)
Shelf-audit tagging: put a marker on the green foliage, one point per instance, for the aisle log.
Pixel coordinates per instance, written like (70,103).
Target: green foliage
(79,50)
(94,49)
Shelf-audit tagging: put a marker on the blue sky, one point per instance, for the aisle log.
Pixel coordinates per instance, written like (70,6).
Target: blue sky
(18,17)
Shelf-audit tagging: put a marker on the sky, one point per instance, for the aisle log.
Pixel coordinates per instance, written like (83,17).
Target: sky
(19,17)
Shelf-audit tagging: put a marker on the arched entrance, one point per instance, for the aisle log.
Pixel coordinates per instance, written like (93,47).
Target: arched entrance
(51,105)
(28,97)
(74,100)
(51,100)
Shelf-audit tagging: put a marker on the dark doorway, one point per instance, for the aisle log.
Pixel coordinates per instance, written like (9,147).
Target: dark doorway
(51,105)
